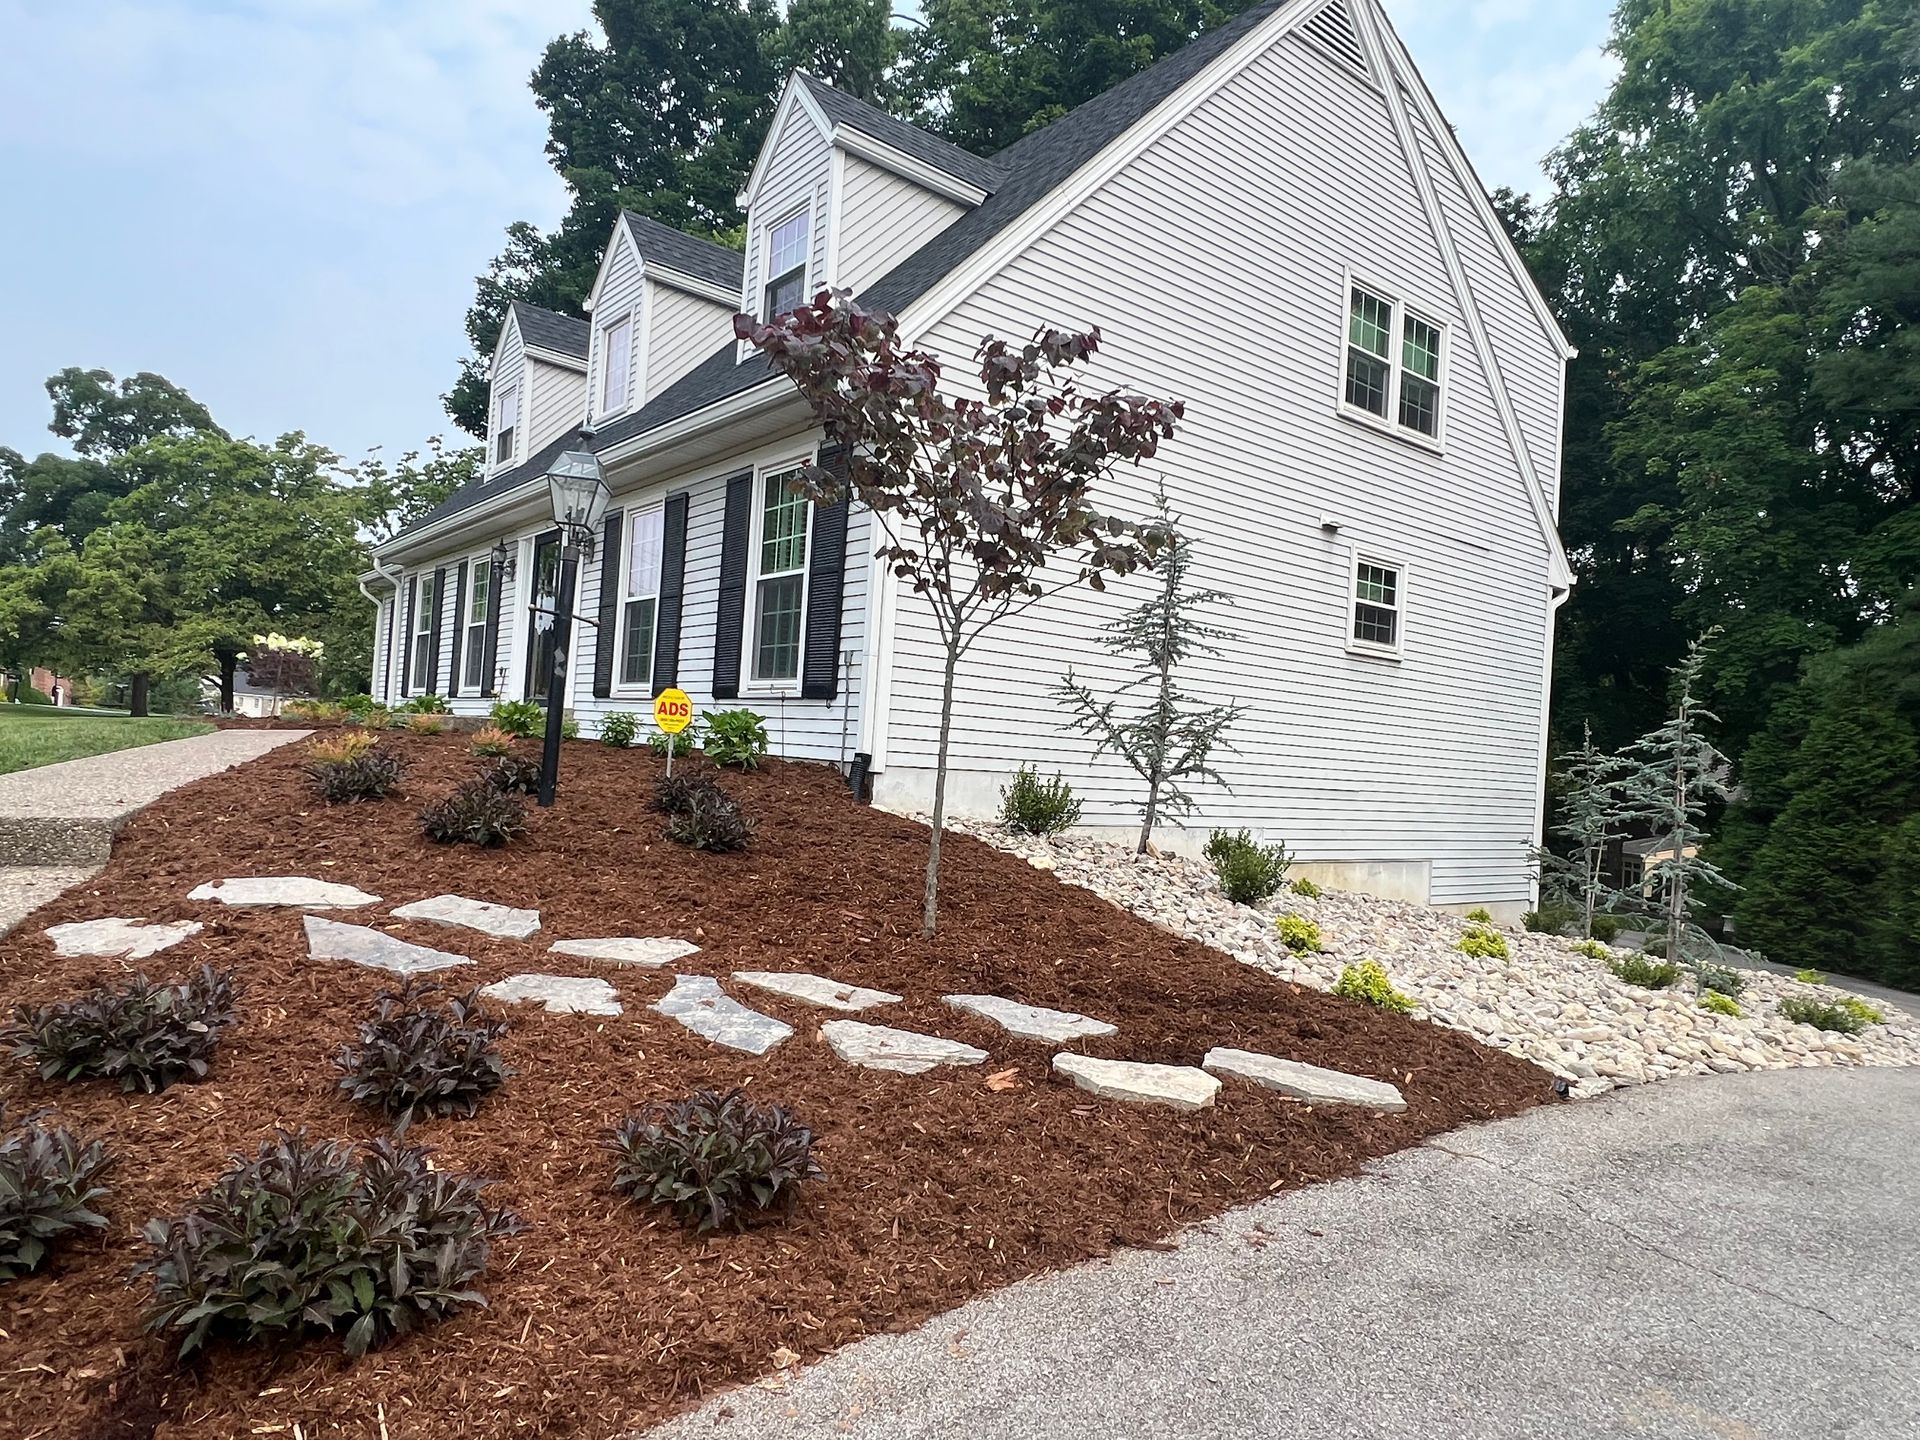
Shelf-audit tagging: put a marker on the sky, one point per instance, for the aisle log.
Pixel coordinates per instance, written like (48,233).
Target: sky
(281,205)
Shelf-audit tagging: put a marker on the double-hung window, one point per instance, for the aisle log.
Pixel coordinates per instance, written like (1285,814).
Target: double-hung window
(506,420)
(786,260)
(1394,360)
(616,354)
(640,599)
(1379,599)
(426,602)
(780,576)
(473,664)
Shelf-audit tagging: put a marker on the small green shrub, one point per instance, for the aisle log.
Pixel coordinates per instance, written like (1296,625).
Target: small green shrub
(413,1058)
(1248,871)
(1483,943)
(1592,949)
(378,718)
(1298,934)
(513,774)
(1719,1003)
(1810,977)
(1305,888)
(1846,1017)
(143,1035)
(314,712)
(1606,927)
(490,740)
(1720,979)
(426,705)
(618,729)
(373,774)
(685,743)
(1646,971)
(713,1159)
(521,719)
(475,814)
(1368,982)
(358,705)
(701,815)
(425,723)
(306,1237)
(569,726)
(1032,806)
(737,738)
(1481,916)
(1549,919)
(48,1189)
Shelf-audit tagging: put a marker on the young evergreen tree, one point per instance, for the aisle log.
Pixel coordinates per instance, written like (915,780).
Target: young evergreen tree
(1672,774)
(1171,738)
(1593,814)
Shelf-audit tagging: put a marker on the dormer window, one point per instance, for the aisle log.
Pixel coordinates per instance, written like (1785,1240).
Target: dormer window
(616,349)
(506,420)
(787,245)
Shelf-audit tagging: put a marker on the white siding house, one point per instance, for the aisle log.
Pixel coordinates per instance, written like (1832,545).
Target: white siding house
(1368,465)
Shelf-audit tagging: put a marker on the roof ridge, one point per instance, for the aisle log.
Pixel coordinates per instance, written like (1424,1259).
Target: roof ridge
(922,143)
(647,221)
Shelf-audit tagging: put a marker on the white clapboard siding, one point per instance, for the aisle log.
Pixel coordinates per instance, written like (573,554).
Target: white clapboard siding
(682,330)
(557,405)
(799,172)
(618,293)
(382,685)
(1215,267)
(883,220)
(509,368)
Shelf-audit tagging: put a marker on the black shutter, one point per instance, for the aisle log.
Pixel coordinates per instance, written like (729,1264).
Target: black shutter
(406,648)
(439,612)
(605,634)
(496,582)
(826,578)
(733,589)
(459,627)
(673,579)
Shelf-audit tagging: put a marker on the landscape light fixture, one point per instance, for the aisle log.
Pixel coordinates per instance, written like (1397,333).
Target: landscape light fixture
(577,487)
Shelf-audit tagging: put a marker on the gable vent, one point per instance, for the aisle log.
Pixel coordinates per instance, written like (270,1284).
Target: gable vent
(1331,28)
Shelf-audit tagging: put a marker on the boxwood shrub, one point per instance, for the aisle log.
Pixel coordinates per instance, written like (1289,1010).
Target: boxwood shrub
(1032,806)
(1248,871)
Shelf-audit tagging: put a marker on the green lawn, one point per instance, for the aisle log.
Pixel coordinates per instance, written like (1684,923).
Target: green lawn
(33,735)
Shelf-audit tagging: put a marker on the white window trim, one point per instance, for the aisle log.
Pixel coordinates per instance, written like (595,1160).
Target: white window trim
(518,391)
(1356,557)
(422,656)
(767,277)
(459,685)
(1404,304)
(619,687)
(603,411)
(749,638)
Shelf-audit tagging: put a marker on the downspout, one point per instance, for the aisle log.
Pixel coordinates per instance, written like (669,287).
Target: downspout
(392,577)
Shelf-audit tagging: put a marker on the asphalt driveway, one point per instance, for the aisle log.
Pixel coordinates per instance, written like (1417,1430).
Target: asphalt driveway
(1733,1258)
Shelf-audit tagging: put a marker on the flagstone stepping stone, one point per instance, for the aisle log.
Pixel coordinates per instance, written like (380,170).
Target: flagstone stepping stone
(561,994)
(301,890)
(1183,1087)
(698,1002)
(646,950)
(815,989)
(906,1052)
(1315,1085)
(1031,1022)
(334,940)
(502,921)
(132,939)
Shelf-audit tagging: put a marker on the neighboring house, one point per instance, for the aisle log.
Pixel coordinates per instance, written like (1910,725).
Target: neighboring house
(1640,859)
(1274,225)
(57,688)
(249,698)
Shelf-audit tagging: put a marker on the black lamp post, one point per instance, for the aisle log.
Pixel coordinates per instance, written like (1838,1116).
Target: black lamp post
(578,487)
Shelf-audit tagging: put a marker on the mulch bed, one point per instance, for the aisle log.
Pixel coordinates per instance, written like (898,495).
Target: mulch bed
(604,1317)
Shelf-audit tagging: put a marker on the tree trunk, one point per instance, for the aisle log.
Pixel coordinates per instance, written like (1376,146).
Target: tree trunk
(137,693)
(929,913)
(228,663)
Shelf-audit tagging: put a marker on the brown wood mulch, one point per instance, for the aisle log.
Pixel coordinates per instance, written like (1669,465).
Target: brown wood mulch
(604,1317)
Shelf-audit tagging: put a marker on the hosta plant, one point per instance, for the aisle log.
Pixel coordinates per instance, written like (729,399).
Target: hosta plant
(49,1188)
(1032,806)
(714,1159)
(618,728)
(416,1057)
(1483,943)
(475,814)
(308,1237)
(737,738)
(144,1035)
(1248,871)
(519,718)
(491,740)
(426,705)
(1368,983)
(685,743)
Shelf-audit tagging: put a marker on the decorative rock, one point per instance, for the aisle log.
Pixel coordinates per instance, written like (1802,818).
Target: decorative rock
(301,890)
(131,939)
(1031,1022)
(698,1002)
(561,994)
(1311,1083)
(815,989)
(1180,1086)
(501,921)
(333,940)
(650,951)
(906,1052)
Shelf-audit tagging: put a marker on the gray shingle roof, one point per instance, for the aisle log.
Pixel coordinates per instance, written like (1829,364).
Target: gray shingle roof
(857,114)
(1031,167)
(550,330)
(677,250)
